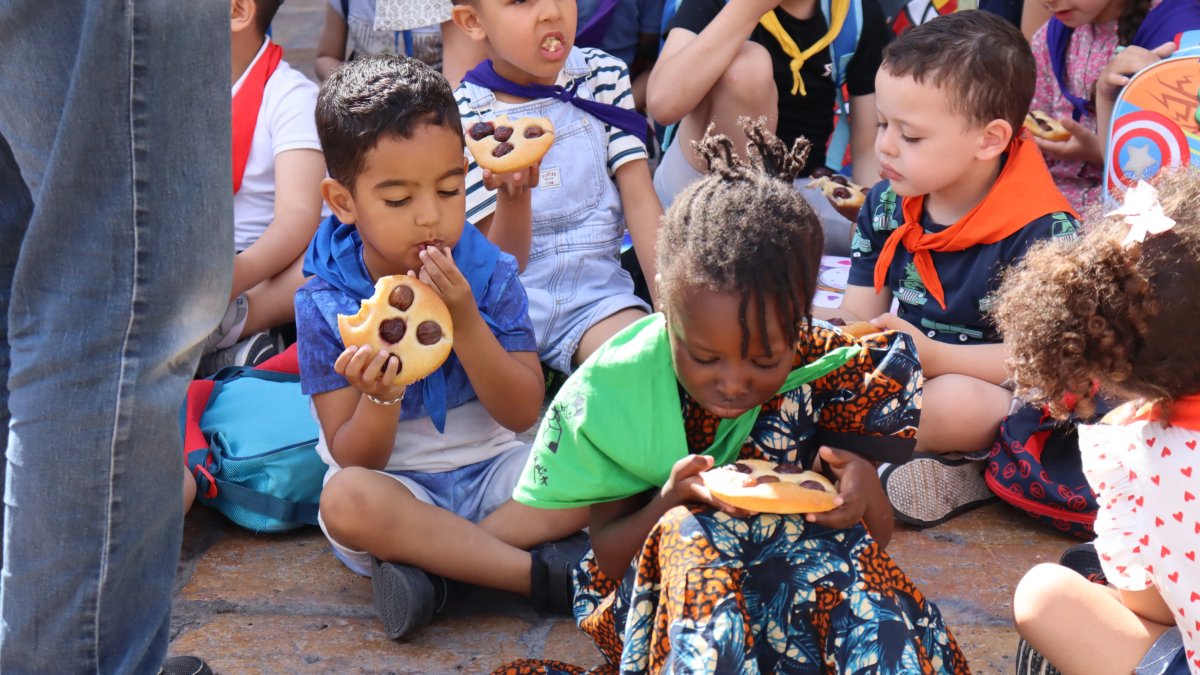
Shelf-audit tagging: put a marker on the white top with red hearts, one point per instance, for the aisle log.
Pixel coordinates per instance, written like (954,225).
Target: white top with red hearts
(1147,477)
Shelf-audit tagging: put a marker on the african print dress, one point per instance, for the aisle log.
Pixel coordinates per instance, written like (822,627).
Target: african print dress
(774,594)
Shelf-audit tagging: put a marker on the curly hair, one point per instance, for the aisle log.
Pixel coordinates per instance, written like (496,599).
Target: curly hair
(375,96)
(1131,18)
(1093,311)
(743,227)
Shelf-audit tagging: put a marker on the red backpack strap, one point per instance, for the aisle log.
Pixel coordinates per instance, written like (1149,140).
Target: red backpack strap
(198,394)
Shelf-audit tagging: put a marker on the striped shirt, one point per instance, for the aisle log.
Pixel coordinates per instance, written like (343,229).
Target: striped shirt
(608,80)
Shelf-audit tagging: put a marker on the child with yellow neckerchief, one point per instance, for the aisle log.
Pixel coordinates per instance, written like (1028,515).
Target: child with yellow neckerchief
(786,60)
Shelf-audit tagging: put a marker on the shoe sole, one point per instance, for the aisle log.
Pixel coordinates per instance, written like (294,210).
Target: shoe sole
(406,594)
(927,492)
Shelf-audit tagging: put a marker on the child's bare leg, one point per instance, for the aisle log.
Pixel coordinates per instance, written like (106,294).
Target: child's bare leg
(746,89)
(372,512)
(189,490)
(960,413)
(525,527)
(272,303)
(603,329)
(1080,626)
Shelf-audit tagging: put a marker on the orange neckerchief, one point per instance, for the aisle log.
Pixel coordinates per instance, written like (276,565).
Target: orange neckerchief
(1023,192)
(1183,412)
(246,103)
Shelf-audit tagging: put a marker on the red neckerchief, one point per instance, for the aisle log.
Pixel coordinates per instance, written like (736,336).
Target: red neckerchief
(1023,192)
(246,103)
(1182,412)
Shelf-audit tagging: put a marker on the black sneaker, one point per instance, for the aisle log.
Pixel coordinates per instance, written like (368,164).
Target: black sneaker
(1082,558)
(185,665)
(930,489)
(553,570)
(405,597)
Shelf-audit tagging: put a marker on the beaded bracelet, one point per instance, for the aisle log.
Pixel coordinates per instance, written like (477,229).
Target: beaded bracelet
(377,401)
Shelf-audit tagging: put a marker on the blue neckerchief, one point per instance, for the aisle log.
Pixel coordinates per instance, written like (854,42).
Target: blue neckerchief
(335,255)
(624,119)
(1058,39)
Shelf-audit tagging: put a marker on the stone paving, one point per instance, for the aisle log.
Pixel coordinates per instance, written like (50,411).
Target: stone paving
(282,604)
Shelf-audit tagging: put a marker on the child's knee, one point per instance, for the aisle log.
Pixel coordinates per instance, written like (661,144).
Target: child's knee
(346,498)
(1037,595)
(750,75)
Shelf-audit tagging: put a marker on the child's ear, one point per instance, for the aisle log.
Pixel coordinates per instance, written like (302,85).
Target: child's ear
(241,15)
(339,199)
(996,136)
(467,18)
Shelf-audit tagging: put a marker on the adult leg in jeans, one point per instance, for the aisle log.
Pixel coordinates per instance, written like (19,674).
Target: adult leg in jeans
(117,117)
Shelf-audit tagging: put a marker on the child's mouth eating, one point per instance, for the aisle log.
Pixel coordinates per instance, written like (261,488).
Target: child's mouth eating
(552,45)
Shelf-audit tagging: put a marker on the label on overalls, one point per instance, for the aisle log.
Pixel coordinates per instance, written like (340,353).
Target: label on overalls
(550,178)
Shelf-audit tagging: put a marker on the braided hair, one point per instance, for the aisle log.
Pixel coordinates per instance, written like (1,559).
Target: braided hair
(744,228)
(1095,311)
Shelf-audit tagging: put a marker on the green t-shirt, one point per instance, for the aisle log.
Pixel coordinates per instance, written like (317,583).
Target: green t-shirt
(615,428)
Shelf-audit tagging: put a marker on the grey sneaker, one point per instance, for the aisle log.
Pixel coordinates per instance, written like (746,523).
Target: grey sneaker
(233,320)
(405,597)
(930,489)
(185,665)
(249,352)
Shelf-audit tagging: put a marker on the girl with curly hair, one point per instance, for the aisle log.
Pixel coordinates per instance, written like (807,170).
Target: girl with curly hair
(1117,310)
(732,369)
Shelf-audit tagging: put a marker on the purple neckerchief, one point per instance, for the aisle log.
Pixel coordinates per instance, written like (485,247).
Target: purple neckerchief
(1166,21)
(1058,38)
(592,33)
(624,119)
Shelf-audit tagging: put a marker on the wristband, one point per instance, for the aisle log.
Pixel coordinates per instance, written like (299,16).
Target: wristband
(378,401)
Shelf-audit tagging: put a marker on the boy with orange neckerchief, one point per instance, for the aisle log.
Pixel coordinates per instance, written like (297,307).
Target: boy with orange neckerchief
(963,197)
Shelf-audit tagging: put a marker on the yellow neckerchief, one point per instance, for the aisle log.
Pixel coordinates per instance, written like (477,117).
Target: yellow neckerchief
(838,11)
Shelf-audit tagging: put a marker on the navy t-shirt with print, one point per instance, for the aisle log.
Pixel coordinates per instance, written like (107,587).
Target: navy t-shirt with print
(969,277)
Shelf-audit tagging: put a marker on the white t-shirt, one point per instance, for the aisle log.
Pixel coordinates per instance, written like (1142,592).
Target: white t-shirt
(286,121)
(472,435)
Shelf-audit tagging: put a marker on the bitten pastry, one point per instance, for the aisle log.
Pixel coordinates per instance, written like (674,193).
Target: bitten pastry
(503,145)
(766,487)
(1044,126)
(838,189)
(856,329)
(406,318)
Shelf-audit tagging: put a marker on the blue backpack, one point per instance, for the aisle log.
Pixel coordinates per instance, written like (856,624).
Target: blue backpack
(841,50)
(250,441)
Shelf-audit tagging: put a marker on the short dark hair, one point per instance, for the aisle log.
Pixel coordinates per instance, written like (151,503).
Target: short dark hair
(743,228)
(375,96)
(264,14)
(982,61)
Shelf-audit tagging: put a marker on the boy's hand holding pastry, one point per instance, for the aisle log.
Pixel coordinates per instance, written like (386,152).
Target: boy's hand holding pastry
(372,372)
(440,273)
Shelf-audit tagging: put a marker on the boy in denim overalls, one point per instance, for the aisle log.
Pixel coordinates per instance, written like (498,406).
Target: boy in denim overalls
(592,184)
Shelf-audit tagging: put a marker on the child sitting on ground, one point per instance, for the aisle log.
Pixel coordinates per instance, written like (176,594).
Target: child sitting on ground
(1082,52)
(277,173)
(1118,307)
(592,184)
(787,60)
(734,369)
(964,195)
(420,478)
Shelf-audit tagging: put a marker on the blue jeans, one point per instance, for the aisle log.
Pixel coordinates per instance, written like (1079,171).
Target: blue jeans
(115,263)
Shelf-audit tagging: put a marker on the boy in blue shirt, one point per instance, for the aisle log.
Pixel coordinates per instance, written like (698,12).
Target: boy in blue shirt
(421,477)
